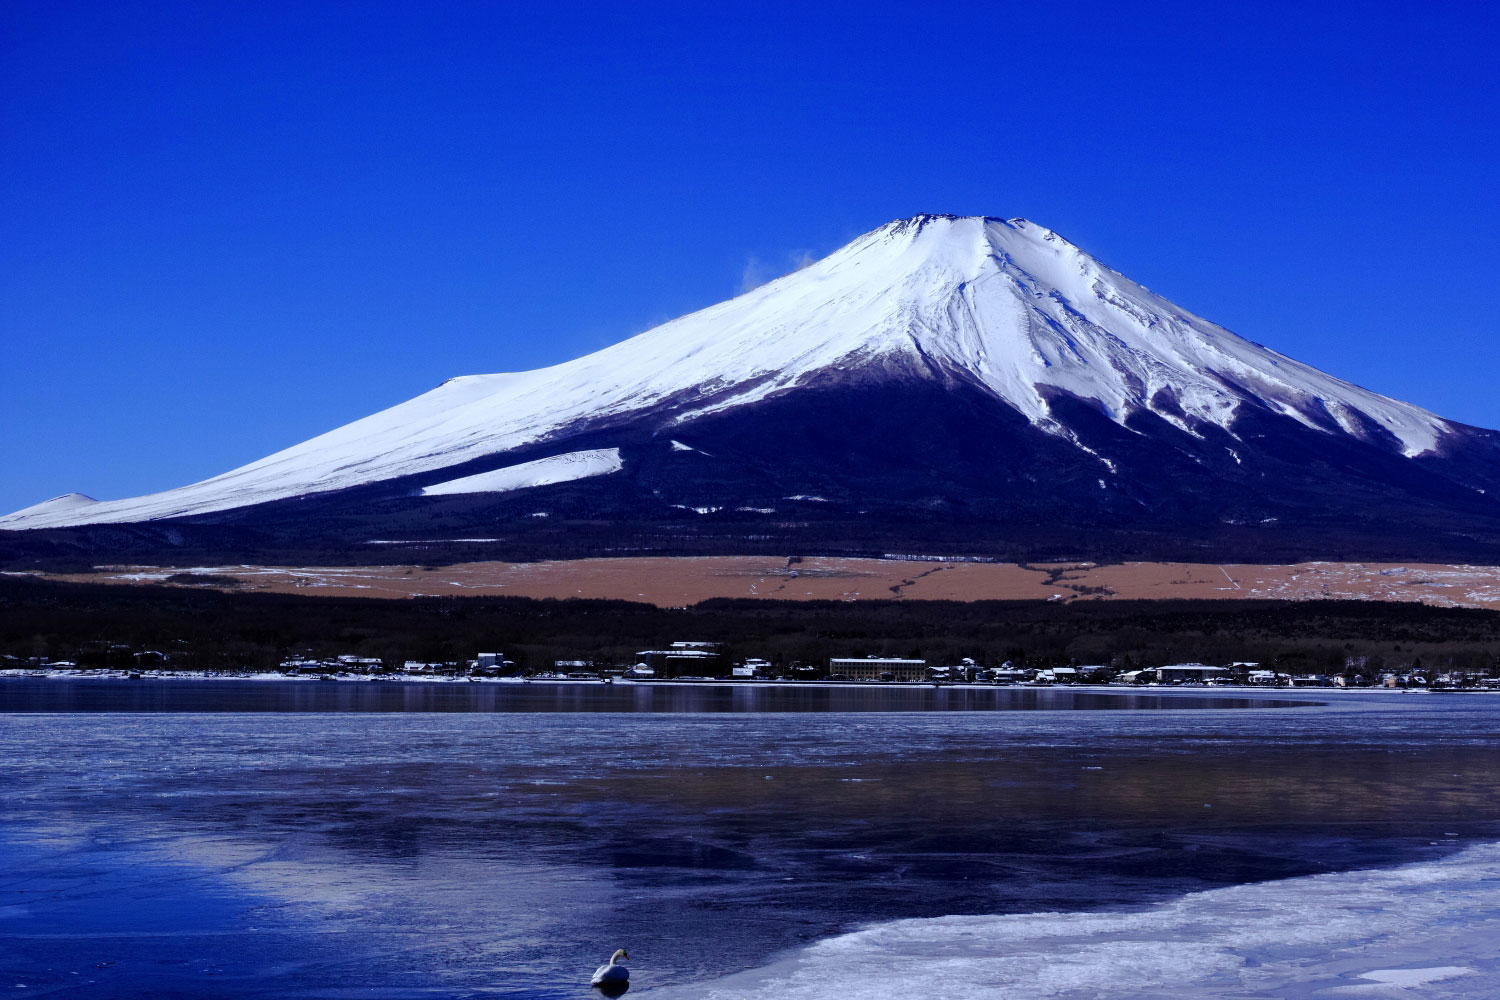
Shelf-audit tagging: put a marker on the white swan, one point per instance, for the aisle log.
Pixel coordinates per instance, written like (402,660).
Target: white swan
(613,972)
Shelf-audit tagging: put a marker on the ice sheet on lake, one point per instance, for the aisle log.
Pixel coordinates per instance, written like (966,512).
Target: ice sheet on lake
(1427,929)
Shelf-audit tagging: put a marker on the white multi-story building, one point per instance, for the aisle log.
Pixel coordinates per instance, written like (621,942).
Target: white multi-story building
(878,668)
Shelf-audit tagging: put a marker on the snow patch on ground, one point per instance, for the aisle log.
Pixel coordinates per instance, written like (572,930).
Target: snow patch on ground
(429,541)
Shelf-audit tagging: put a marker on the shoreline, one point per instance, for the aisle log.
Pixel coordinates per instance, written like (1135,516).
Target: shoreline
(1304,696)
(739,683)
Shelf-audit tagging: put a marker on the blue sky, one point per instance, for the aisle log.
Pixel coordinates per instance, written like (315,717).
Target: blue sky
(225,228)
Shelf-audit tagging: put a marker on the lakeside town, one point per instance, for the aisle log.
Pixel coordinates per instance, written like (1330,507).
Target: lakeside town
(692,661)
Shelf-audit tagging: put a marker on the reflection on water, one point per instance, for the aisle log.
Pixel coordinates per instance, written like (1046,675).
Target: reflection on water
(499,854)
(226,695)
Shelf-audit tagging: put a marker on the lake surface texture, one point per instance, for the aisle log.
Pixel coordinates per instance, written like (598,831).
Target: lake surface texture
(384,840)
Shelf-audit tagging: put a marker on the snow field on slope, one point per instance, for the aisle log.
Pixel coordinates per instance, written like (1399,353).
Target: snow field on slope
(542,472)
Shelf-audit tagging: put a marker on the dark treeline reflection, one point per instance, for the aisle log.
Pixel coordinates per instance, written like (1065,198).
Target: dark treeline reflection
(223,695)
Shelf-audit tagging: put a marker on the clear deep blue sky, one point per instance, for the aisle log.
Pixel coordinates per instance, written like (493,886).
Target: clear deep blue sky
(226,227)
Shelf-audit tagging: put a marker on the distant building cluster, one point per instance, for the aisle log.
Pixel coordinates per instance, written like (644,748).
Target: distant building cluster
(701,660)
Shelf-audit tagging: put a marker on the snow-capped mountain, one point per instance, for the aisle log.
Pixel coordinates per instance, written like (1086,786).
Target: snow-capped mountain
(1057,374)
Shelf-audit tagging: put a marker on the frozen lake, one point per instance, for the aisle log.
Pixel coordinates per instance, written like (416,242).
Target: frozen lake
(1146,851)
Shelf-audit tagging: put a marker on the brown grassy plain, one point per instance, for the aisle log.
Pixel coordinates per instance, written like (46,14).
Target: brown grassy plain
(673,582)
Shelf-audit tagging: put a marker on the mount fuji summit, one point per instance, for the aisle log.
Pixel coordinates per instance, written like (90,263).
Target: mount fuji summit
(943,385)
